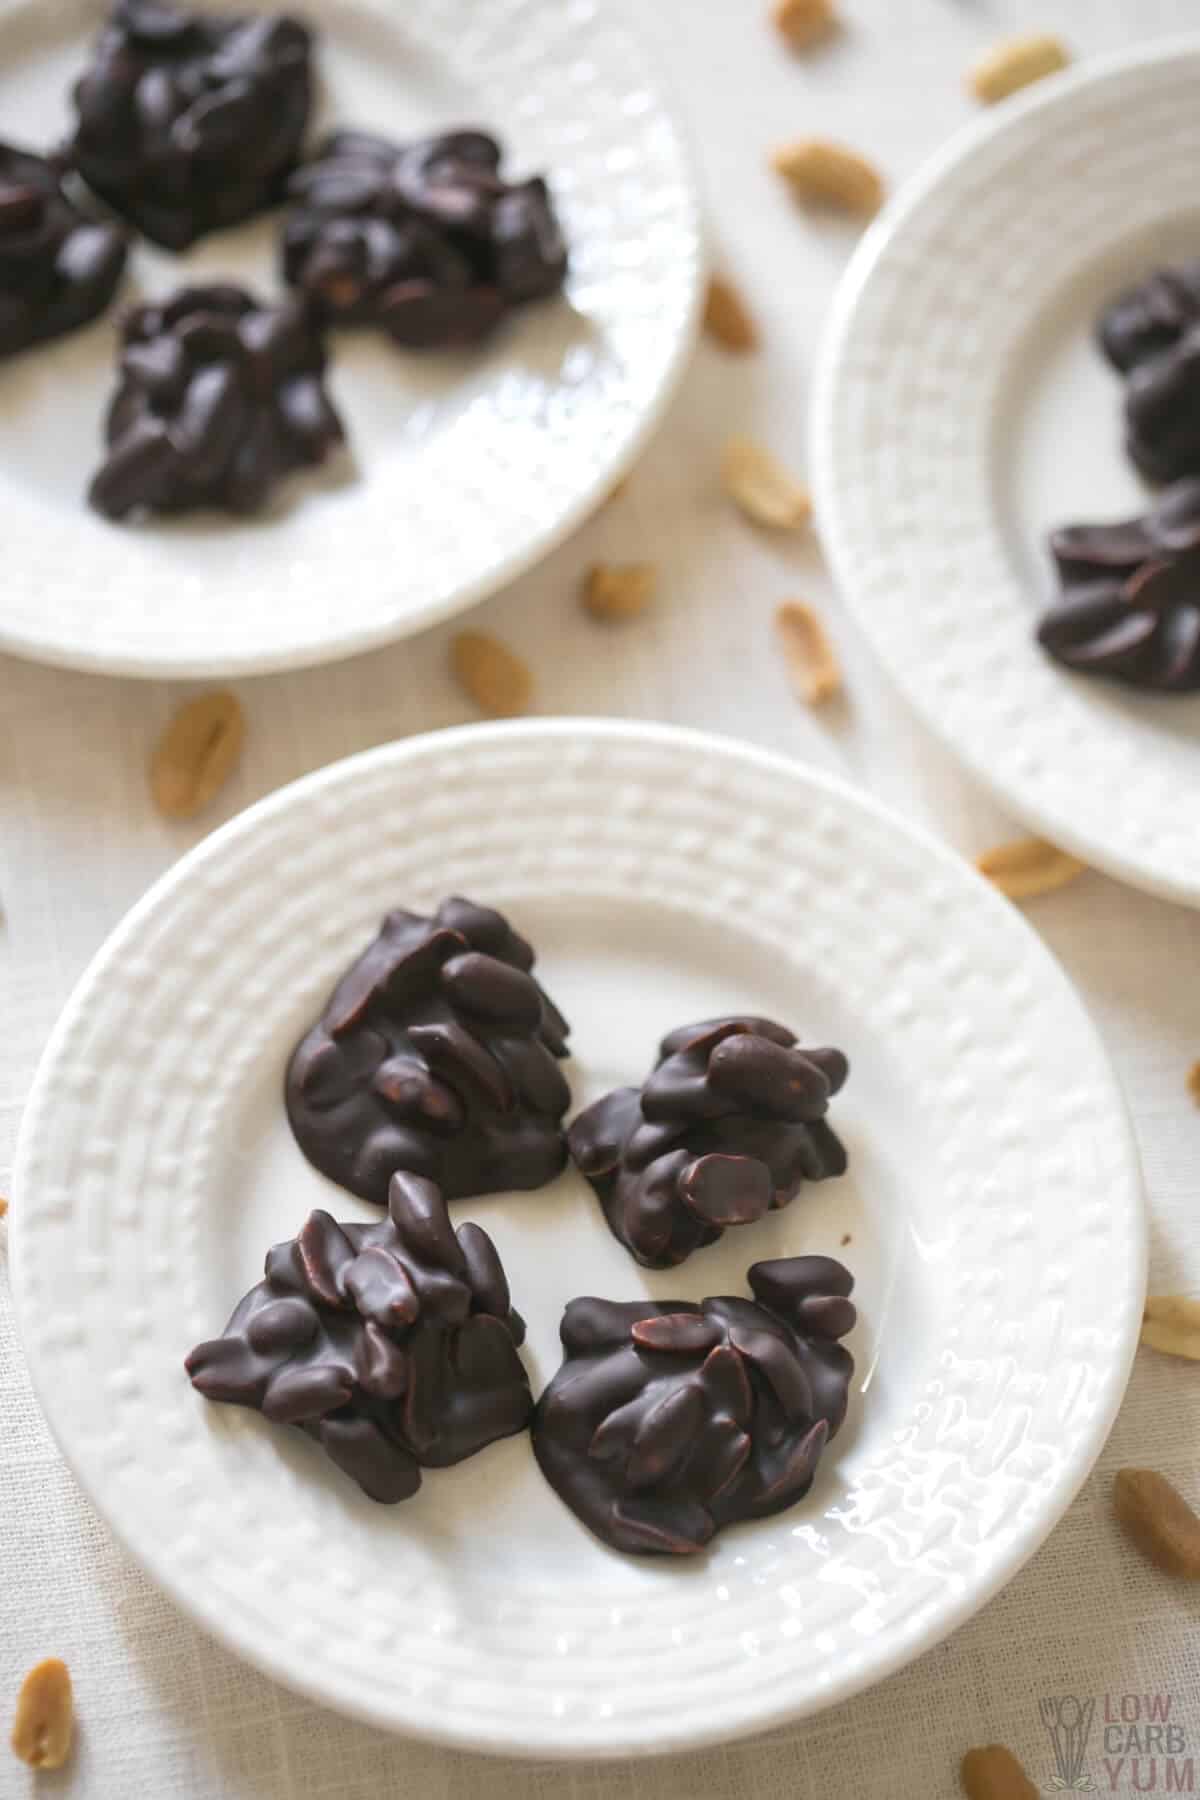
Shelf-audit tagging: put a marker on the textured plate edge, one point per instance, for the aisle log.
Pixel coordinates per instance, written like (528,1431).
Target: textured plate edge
(435,612)
(880,235)
(909,1644)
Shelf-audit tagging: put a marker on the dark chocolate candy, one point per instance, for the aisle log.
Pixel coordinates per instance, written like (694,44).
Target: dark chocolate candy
(1150,317)
(1130,606)
(188,121)
(729,1124)
(218,399)
(1151,333)
(58,268)
(436,1053)
(393,1344)
(668,1420)
(1162,411)
(427,241)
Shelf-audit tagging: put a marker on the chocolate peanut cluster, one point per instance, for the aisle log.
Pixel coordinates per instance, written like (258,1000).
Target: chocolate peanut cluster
(432,1073)
(394,1345)
(426,241)
(1150,317)
(1130,605)
(188,122)
(1151,334)
(219,398)
(58,268)
(729,1124)
(669,1420)
(1162,412)
(436,1053)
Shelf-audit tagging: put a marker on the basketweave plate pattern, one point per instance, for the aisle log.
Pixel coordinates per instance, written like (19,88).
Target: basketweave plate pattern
(1048,203)
(993,1205)
(462,470)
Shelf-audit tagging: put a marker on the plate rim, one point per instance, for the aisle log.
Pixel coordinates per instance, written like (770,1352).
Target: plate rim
(919,1635)
(880,235)
(157,666)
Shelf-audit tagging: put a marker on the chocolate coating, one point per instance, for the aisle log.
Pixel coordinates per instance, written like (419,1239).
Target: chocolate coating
(426,241)
(187,122)
(729,1124)
(1162,411)
(1130,606)
(393,1345)
(58,268)
(436,1053)
(218,399)
(1151,316)
(669,1420)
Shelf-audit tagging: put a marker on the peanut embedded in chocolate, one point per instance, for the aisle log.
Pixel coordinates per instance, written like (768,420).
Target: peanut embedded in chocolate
(394,1345)
(669,1420)
(435,1053)
(726,1128)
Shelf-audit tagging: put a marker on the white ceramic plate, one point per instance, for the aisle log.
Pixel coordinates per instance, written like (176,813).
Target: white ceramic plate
(962,410)
(463,470)
(992,1210)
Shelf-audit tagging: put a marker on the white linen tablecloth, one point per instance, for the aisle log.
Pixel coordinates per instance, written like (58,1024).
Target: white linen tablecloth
(162,1710)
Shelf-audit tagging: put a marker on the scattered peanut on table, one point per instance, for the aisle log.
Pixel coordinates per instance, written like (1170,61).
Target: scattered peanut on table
(827,174)
(45,1716)
(1193,1082)
(1172,1325)
(762,487)
(1156,1517)
(1014,64)
(616,591)
(811,661)
(1027,867)
(3,1207)
(993,1773)
(496,679)
(803,22)
(197,754)
(727,319)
